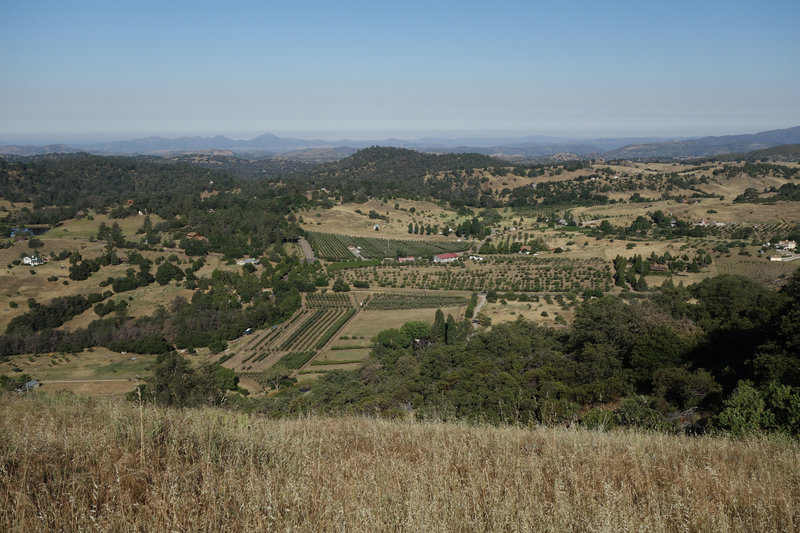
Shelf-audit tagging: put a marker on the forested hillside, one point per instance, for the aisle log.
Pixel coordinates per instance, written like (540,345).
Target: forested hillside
(236,217)
(381,171)
(87,181)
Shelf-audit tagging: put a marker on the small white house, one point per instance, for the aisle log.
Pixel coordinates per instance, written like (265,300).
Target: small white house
(33,260)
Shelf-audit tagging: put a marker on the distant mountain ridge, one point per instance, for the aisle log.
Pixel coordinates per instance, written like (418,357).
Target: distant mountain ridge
(28,150)
(783,152)
(708,146)
(535,146)
(514,147)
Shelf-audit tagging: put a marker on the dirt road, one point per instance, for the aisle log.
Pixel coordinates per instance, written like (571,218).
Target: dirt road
(307,251)
(481,301)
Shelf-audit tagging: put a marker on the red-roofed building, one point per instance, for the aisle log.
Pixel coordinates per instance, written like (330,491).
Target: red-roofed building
(445,258)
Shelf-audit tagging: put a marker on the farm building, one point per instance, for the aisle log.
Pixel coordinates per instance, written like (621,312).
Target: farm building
(445,258)
(248,261)
(405,259)
(195,236)
(33,260)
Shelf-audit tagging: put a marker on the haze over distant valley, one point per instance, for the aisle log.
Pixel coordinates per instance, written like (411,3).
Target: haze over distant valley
(529,147)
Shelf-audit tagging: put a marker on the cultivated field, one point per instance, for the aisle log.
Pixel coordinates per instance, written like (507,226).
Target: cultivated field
(306,332)
(502,273)
(335,247)
(72,463)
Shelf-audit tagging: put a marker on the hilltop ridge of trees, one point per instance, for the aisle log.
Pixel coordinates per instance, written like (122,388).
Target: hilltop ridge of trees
(89,181)
(383,171)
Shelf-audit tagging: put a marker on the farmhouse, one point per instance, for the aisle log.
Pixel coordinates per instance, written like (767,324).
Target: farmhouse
(21,232)
(445,258)
(786,245)
(33,260)
(405,259)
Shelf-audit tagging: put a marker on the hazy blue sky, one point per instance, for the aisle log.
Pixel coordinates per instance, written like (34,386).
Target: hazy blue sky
(120,69)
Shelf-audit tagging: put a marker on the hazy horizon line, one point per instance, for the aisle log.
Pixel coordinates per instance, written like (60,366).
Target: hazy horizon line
(362,135)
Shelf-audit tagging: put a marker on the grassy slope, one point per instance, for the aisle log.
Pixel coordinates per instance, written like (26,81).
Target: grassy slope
(73,463)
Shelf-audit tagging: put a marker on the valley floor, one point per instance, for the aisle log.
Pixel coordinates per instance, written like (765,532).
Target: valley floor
(72,463)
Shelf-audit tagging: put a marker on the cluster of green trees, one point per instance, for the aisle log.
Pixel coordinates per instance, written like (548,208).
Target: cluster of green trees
(175,382)
(753,169)
(788,192)
(658,224)
(103,309)
(631,272)
(416,229)
(54,314)
(551,193)
(511,247)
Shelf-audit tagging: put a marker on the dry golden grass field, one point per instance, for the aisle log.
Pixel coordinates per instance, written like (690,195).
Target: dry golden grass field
(96,372)
(344,219)
(71,463)
(531,311)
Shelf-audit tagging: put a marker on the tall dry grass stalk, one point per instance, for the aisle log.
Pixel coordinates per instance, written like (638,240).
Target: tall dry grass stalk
(73,464)
(141,422)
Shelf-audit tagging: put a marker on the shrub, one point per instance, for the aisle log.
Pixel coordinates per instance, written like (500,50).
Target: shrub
(745,412)
(599,418)
(217,346)
(636,411)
